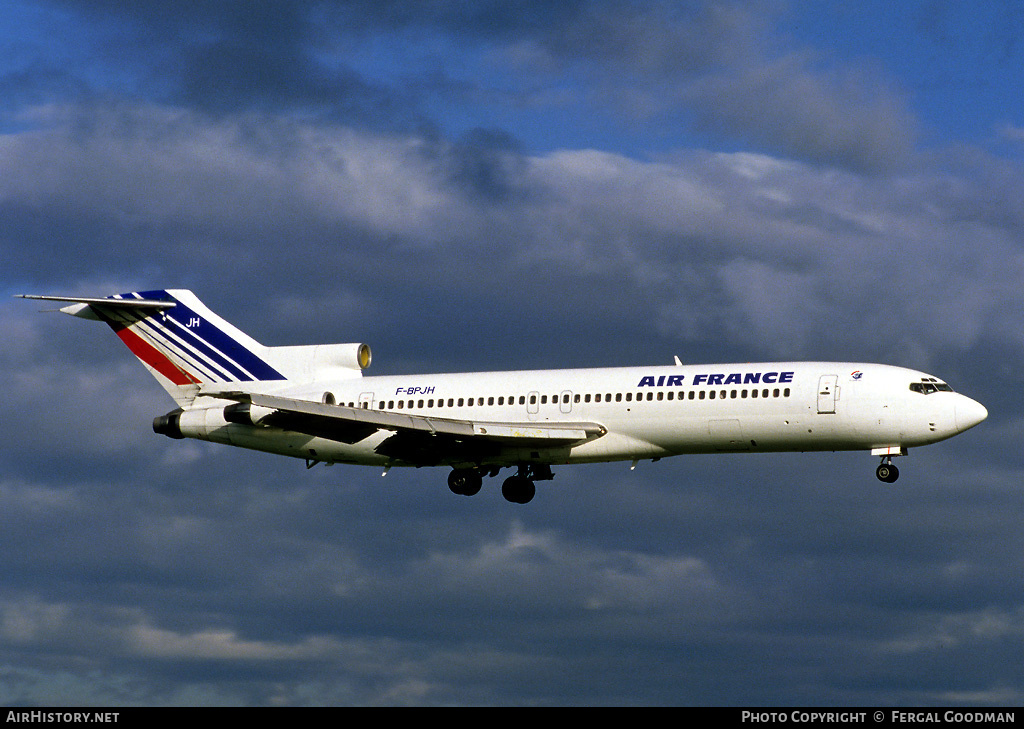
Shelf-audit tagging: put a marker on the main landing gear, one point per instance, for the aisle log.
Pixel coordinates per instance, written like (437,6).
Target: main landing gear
(465,481)
(519,488)
(886,471)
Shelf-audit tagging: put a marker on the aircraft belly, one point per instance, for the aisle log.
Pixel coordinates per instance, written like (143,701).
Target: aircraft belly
(297,445)
(726,434)
(761,433)
(617,447)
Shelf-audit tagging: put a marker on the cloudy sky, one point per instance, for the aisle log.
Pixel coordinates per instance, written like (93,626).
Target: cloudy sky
(494,185)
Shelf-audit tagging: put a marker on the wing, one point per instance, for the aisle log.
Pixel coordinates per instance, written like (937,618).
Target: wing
(417,439)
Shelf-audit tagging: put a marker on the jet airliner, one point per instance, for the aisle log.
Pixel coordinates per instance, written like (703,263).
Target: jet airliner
(313,403)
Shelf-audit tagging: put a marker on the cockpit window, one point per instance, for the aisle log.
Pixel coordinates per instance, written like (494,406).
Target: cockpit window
(928,385)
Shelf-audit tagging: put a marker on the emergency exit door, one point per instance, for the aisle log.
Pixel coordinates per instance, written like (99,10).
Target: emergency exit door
(828,393)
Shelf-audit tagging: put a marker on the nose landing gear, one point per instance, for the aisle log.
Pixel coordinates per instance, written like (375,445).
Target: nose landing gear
(886,471)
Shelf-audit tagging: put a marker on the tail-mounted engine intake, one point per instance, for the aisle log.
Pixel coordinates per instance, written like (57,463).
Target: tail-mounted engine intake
(317,362)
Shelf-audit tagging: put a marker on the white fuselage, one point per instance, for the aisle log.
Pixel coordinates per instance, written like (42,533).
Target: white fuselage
(648,412)
(313,402)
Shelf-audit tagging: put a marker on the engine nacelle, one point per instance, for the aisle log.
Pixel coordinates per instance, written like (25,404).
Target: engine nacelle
(169,424)
(350,356)
(201,423)
(244,413)
(309,363)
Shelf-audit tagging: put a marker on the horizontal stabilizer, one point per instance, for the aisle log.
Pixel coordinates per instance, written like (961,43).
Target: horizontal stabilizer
(111,303)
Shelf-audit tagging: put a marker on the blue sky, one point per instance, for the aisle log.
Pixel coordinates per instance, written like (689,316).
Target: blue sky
(512,186)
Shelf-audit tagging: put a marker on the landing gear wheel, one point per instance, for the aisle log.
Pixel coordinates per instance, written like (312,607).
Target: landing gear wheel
(465,481)
(887,473)
(518,489)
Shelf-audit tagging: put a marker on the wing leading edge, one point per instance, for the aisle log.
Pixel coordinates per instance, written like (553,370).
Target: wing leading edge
(416,439)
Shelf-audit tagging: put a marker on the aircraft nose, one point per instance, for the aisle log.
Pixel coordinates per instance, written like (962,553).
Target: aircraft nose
(969,413)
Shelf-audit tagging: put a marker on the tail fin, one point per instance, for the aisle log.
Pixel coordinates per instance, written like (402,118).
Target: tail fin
(188,348)
(179,340)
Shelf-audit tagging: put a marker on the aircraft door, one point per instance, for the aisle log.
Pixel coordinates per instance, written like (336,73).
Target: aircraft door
(366,400)
(828,393)
(565,401)
(533,405)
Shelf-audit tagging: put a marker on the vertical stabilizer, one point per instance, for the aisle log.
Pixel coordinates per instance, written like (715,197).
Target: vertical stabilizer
(179,340)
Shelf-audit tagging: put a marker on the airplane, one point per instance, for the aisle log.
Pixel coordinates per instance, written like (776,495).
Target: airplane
(313,403)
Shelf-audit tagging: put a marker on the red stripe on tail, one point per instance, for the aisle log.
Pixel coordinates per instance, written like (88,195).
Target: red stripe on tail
(151,356)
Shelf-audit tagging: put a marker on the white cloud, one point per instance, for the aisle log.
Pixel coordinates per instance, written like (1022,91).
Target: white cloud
(969,630)
(748,240)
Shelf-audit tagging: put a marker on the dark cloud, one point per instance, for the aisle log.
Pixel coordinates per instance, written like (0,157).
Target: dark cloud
(715,67)
(140,570)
